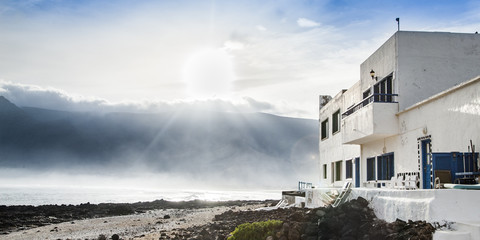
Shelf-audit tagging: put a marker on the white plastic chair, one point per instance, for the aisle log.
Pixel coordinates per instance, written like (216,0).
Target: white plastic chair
(400,183)
(411,182)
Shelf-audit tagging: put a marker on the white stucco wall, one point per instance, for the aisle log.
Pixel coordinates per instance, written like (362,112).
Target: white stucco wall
(353,95)
(435,205)
(383,62)
(331,149)
(423,64)
(450,205)
(429,63)
(374,121)
(451,118)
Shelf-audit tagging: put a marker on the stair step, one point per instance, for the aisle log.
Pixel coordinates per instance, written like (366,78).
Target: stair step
(449,235)
(472,228)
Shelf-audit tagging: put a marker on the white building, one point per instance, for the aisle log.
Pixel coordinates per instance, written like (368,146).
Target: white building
(413,112)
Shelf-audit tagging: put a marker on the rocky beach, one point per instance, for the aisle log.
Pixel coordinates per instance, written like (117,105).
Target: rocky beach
(200,220)
(89,221)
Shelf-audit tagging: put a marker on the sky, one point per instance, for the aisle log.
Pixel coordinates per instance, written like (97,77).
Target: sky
(254,55)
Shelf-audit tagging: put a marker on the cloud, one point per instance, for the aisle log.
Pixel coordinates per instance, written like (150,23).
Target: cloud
(137,49)
(307,23)
(233,45)
(261,28)
(25,95)
(50,98)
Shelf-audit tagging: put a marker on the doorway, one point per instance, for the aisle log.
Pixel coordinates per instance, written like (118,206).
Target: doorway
(357,172)
(426,148)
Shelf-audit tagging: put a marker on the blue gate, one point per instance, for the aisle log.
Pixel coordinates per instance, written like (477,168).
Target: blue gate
(455,162)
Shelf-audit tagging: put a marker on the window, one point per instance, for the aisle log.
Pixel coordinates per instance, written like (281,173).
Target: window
(324,171)
(384,89)
(370,169)
(367,93)
(325,129)
(357,172)
(367,97)
(348,169)
(332,172)
(338,171)
(385,166)
(336,122)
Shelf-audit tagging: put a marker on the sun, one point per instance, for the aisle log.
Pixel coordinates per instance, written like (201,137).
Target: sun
(209,73)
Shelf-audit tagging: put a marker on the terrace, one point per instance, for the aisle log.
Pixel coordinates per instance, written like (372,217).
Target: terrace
(373,118)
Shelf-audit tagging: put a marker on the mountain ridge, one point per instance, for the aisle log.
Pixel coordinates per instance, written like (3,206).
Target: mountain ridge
(197,143)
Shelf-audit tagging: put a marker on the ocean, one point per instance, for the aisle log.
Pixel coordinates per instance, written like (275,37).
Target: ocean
(76,195)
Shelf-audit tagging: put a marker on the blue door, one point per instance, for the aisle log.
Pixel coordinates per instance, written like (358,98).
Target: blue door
(426,164)
(357,172)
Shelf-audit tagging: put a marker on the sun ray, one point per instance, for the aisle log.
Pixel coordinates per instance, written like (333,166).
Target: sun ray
(209,73)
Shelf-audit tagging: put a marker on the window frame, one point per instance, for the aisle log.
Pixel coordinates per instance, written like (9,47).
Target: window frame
(384,86)
(336,121)
(349,169)
(324,129)
(367,93)
(371,173)
(386,166)
(338,170)
(325,171)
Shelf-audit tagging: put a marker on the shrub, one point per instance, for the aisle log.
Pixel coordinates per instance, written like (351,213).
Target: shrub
(256,230)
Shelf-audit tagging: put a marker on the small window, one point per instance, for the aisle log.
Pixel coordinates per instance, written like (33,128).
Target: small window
(324,171)
(336,122)
(370,169)
(367,93)
(348,169)
(332,172)
(325,129)
(338,171)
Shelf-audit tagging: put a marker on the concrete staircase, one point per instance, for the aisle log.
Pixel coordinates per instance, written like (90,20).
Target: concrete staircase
(460,231)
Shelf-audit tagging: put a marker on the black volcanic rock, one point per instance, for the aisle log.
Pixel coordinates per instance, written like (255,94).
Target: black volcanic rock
(351,220)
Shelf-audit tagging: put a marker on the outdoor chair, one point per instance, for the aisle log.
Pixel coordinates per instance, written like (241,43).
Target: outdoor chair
(399,183)
(342,197)
(411,182)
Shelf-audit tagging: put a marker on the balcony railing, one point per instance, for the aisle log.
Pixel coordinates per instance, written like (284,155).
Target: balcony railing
(377,97)
(304,185)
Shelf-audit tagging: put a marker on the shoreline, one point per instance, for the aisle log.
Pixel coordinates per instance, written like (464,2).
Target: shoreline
(149,225)
(44,218)
(208,220)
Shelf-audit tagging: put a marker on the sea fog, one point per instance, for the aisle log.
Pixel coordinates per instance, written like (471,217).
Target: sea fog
(61,157)
(27,187)
(78,195)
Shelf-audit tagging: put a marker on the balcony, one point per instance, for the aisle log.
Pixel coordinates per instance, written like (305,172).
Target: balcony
(372,119)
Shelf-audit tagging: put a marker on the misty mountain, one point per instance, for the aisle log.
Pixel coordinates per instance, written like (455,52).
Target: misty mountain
(216,146)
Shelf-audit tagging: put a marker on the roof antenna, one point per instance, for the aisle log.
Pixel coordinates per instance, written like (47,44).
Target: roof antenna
(398,23)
